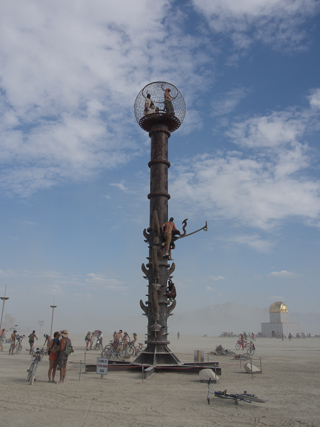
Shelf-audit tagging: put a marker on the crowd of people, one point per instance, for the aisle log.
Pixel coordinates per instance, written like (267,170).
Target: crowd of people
(59,348)
(119,338)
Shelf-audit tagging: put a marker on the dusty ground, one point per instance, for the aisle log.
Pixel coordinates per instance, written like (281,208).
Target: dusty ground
(289,383)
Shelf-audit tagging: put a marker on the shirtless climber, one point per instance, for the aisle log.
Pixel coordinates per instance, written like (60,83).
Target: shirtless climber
(168,229)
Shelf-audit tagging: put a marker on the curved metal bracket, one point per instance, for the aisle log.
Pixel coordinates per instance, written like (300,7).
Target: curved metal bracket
(205,228)
(171,269)
(145,270)
(171,307)
(146,235)
(144,307)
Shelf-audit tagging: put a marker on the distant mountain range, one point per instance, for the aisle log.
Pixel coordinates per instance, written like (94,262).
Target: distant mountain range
(228,317)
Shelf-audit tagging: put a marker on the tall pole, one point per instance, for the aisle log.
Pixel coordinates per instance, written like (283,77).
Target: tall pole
(159,121)
(4,299)
(53,307)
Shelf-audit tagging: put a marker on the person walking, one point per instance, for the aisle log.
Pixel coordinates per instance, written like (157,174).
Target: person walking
(32,337)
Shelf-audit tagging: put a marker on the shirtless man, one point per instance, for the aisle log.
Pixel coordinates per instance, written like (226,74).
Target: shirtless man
(168,228)
(31,340)
(116,338)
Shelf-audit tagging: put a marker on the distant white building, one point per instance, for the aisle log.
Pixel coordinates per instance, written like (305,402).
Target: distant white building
(279,322)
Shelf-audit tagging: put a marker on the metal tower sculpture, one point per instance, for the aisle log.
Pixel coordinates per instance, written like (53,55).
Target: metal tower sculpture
(160,110)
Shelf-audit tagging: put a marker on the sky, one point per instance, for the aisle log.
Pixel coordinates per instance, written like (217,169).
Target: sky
(74,173)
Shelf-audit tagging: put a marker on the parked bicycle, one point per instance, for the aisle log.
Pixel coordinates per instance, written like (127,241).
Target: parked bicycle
(244,397)
(19,339)
(113,352)
(130,350)
(36,358)
(98,345)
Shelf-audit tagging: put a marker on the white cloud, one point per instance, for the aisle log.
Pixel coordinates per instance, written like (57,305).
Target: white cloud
(98,281)
(216,278)
(253,241)
(284,274)
(228,102)
(261,188)
(314,99)
(274,22)
(278,128)
(120,186)
(69,76)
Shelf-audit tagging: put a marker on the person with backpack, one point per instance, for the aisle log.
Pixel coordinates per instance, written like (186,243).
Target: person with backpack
(65,350)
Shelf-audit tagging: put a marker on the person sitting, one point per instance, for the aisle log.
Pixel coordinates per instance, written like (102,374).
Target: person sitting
(148,105)
(171,291)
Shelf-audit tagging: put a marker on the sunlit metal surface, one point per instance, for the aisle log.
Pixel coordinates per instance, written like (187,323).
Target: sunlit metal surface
(278,307)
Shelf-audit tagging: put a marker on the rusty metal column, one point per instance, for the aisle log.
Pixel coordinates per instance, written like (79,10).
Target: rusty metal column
(159,165)
(164,118)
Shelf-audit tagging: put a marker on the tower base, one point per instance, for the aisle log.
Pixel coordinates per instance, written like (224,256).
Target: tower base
(157,354)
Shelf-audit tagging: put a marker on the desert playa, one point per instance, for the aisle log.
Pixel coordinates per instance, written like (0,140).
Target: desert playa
(289,382)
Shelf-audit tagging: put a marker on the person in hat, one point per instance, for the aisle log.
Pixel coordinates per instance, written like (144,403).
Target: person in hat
(13,342)
(62,357)
(31,337)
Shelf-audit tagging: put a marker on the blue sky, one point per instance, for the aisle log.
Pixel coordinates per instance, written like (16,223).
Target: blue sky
(74,177)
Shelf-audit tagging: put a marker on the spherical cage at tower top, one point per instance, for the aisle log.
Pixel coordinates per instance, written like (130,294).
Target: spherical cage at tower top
(159,103)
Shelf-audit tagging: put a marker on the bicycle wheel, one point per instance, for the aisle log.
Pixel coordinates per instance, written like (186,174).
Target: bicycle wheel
(130,350)
(237,346)
(109,354)
(29,373)
(19,348)
(32,372)
(250,398)
(251,350)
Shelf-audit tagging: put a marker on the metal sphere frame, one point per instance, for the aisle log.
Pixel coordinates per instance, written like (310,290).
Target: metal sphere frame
(171,113)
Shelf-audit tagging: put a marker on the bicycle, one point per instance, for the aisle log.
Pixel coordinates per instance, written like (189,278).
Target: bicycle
(244,397)
(19,339)
(113,352)
(97,344)
(37,357)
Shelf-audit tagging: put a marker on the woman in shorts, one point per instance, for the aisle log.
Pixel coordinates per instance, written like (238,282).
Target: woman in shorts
(53,350)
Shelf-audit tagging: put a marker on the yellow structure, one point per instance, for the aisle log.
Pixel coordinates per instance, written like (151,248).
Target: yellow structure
(278,307)
(279,322)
